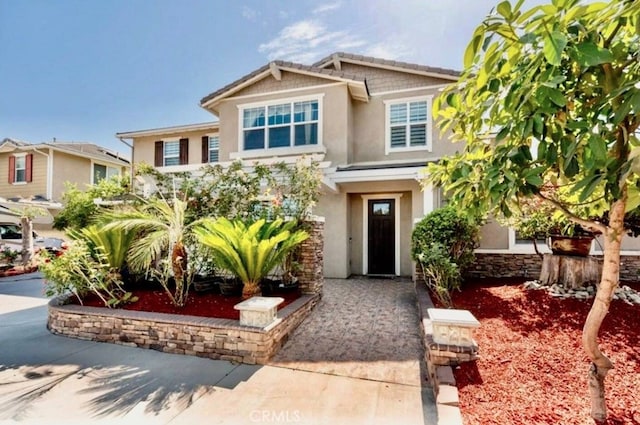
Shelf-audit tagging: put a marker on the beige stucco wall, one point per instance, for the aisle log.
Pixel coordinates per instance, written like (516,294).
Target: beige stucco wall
(335,209)
(38,184)
(494,236)
(70,168)
(344,224)
(144,147)
(334,117)
(369,132)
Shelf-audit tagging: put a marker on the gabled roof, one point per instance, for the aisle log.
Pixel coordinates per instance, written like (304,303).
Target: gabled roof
(162,131)
(357,83)
(83,149)
(336,58)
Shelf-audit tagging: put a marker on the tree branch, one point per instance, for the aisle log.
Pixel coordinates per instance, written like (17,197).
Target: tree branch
(594,226)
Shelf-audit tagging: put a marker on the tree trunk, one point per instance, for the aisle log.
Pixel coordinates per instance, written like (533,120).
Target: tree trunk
(600,364)
(250,289)
(27,240)
(569,271)
(179,265)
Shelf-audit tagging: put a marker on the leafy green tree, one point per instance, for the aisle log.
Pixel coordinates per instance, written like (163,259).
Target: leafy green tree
(252,251)
(79,206)
(559,86)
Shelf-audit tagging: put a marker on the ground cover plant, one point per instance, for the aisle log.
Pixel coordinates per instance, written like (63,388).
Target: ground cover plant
(530,369)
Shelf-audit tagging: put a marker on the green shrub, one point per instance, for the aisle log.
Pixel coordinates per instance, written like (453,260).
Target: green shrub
(442,243)
(80,272)
(456,232)
(441,274)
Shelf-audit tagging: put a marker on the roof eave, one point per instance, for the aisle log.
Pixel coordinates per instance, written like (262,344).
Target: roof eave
(167,130)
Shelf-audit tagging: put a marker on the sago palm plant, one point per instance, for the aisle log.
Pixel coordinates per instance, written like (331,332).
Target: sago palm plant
(163,229)
(113,243)
(249,251)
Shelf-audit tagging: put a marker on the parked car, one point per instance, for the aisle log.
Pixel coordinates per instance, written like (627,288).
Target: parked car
(11,236)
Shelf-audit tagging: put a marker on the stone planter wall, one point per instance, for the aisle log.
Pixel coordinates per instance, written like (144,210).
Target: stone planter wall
(439,360)
(311,258)
(221,339)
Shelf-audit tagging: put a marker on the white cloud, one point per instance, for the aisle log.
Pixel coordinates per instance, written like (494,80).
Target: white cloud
(306,40)
(327,7)
(249,13)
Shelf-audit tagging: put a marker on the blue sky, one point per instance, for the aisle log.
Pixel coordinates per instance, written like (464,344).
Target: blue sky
(82,70)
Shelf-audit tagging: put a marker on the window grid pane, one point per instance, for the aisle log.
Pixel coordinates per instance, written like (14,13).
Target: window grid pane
(398,136)
(279,137)
(254,139)
(253,117)
(418,111)
(306,111)
(398,113)
(418,135)
(306,134)
(280,114)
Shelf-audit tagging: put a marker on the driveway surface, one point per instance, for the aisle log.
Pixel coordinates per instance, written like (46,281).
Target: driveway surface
(372,377)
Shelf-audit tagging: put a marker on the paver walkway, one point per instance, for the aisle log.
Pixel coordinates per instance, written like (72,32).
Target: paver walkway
(362,328)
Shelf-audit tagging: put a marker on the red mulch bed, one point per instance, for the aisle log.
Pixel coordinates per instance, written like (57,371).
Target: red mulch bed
(532,369)
(198,304)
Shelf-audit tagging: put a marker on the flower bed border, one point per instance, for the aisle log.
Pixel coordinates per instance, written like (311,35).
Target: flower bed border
(220,339)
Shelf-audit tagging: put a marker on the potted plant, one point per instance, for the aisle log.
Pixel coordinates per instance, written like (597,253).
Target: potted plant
(563,236)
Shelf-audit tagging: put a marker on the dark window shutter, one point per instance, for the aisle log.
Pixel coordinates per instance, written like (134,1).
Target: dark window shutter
(12,169)
(159,156)
(184,151)
(29,168)
(205,149)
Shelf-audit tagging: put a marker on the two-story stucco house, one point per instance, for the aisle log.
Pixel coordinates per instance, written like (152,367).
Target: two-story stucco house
(367,120)
(41,169)
(369,123)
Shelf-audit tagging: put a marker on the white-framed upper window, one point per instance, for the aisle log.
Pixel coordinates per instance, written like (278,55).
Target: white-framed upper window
(290,123)
(101,172)
(21,169)
(408,124)
(214,148)
(171,153)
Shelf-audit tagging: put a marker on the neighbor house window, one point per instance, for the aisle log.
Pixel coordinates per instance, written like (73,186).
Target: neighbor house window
(214,149)
(20,168)
(280,125)
(101,172)
(408,124)
(171,153)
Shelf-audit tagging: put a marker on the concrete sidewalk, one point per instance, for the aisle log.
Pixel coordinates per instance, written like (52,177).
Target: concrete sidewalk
(48,379)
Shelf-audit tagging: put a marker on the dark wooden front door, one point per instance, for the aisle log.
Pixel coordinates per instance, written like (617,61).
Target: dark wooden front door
(382,249)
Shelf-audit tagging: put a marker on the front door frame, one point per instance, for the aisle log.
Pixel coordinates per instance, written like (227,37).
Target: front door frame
(365,228)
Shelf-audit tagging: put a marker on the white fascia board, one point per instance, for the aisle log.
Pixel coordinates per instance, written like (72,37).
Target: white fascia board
(169,130)
(353,176)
